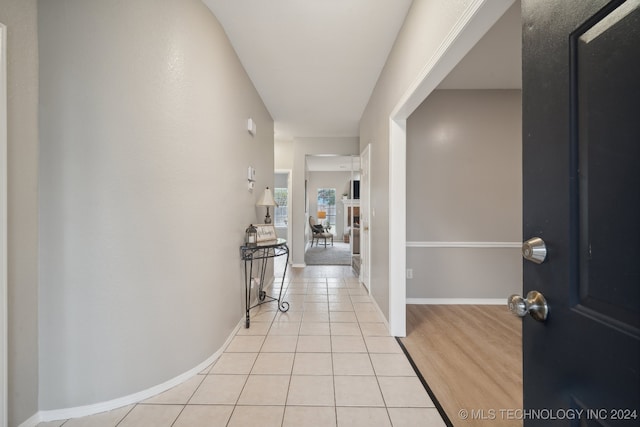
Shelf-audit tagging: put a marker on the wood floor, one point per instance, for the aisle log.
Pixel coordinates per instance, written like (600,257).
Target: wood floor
(471,358)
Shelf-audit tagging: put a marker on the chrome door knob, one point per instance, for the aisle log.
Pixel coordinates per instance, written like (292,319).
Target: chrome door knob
(534,304)
(534,250)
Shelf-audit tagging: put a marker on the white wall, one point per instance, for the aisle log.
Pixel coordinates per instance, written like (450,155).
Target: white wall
(144,200)
(464,185)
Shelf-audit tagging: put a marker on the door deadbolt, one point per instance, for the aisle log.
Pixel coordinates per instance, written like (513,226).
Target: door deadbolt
(534,250)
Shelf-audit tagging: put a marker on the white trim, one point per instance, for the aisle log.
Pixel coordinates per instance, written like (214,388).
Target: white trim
(475,21)
(365,215)
(83,411)
(397,227)
(4,306)
(517,245)
(457,301)
(298,265)
(32,421)
(289,173)
(350,202)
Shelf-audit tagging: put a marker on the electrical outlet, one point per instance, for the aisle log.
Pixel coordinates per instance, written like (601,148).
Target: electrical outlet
(409,273)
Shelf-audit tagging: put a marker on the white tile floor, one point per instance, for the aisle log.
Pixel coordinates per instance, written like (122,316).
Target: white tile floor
(328,361)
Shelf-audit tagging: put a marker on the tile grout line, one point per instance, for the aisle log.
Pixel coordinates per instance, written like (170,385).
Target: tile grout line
(333,370)
(352,292)
(192,394)
(123,418)
(432,396)
(235,405)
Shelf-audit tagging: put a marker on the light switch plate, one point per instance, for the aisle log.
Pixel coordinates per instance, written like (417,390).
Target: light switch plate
(251,126)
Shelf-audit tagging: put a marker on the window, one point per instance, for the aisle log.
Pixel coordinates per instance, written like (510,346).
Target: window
(281,196)
(327,204)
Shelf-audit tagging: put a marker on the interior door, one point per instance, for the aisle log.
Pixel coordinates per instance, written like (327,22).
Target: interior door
(365,208)
(581,148)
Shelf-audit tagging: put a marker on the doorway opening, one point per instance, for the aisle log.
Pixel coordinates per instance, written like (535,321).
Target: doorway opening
(332,210)
(464,224)
(464,253)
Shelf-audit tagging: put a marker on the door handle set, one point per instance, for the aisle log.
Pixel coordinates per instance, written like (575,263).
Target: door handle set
(535,304)
(534,250)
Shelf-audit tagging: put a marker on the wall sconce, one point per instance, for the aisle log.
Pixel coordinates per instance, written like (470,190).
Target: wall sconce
(267,200)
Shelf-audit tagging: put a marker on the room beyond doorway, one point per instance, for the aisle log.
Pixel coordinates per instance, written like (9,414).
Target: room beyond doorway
(471,359)
(332,192)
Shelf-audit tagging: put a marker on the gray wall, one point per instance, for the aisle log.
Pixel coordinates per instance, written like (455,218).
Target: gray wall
(144,199)
(20,17)
(283,156)
(425,27)
(464,156)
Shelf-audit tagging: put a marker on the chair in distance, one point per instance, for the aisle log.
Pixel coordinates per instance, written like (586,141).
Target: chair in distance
(319,232)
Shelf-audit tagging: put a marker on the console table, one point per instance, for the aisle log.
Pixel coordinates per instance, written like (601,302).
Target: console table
(261,253)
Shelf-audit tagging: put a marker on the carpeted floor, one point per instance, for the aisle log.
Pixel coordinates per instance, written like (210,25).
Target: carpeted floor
(338,254)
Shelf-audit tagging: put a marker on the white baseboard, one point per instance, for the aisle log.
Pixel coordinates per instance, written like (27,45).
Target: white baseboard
(32,421)
(299,265)
(377,307)
(83,411)
(457,301)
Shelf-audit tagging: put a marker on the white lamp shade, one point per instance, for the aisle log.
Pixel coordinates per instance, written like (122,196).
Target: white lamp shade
(267,199)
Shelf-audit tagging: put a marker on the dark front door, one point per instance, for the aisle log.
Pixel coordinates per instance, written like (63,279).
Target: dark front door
(581,151)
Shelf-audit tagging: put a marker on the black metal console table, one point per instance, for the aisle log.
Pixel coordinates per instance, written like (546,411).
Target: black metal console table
(262,252)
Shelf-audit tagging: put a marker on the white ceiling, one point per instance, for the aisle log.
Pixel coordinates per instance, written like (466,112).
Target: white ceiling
(315,62)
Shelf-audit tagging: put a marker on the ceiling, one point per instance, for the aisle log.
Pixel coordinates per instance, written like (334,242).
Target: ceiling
(315,62)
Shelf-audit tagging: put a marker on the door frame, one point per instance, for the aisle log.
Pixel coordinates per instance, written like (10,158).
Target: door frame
(4,307)
(365,268)
(288,172)
(475,21)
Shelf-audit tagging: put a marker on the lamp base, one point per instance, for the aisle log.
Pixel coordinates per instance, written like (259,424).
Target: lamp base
(267,219)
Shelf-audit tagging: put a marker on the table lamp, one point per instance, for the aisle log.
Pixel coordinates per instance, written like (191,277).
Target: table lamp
(267,200)
(322,215)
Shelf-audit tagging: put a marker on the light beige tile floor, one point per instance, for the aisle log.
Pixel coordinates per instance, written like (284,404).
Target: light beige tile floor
(328,361)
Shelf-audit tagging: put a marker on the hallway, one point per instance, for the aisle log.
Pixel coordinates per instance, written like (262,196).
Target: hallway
(327,361)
